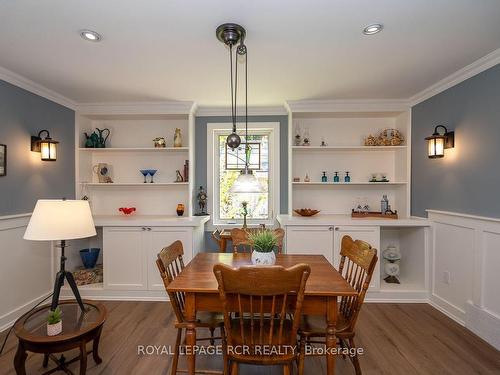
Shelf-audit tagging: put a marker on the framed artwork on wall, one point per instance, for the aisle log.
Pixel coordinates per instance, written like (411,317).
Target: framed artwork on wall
(3,160)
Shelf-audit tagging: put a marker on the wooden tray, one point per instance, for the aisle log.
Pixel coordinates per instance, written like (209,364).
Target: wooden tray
(373,215)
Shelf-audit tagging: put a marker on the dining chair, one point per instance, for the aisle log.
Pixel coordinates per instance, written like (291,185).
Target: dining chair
(357,262)
(170,264)
(280,235)
(218,240)
(240,240)
(255,302)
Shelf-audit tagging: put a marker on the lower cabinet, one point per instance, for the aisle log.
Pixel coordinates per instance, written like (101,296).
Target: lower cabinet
(129,255)
(326,240)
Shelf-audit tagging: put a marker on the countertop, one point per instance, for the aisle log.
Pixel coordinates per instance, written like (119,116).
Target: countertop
(149,220)
(319,219)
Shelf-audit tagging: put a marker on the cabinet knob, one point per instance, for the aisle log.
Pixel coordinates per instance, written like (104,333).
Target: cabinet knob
(143,228)
(149,228)
(330,228)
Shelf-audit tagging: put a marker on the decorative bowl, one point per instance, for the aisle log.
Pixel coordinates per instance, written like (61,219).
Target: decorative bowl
(306,211)
(127,210)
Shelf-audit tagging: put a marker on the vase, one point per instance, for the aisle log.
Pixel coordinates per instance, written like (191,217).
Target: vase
(263,259)
(54,329)
(180,209)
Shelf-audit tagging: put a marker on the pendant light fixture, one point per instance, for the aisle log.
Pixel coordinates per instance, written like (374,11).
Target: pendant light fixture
(231,34)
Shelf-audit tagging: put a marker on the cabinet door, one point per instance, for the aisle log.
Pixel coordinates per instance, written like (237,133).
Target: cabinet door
(161,237)
(367,234)
(310,240)
(123,258)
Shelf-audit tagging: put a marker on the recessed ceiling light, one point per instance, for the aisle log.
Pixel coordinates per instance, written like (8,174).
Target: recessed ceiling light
(90,35)
(373,29)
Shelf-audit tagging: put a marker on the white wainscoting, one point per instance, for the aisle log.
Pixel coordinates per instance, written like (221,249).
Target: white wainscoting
(467,248)
(25,269)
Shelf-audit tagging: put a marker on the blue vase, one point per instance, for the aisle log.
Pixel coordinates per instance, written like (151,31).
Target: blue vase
(89,257)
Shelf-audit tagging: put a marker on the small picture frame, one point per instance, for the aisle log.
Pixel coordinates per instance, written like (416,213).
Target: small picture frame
(3,160)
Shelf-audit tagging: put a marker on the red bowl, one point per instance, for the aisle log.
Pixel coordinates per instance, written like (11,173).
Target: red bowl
(127,210)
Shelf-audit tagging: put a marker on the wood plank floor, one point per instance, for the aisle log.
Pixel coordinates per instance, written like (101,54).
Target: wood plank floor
(397,339)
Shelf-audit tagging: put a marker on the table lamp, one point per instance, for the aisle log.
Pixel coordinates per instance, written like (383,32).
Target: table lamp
(61,220)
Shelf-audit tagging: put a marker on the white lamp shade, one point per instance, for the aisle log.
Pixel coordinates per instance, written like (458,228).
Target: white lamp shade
(246,183)
(55,220)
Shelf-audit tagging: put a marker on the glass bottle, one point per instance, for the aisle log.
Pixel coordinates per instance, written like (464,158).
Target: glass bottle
(336,178)
(384,204)
(324,178)
(347,178)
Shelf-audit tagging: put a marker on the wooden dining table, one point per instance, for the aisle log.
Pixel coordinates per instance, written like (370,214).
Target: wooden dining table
(197,281)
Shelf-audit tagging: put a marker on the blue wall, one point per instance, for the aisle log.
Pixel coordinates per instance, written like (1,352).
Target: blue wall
(201,161)
(467,179)
(23,114)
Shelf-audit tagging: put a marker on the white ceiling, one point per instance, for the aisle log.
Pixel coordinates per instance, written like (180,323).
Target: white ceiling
(166,49)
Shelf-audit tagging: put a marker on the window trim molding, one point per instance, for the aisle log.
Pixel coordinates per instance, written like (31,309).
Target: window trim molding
(274,171)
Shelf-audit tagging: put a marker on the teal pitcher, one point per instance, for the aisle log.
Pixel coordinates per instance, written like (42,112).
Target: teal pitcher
(102,140)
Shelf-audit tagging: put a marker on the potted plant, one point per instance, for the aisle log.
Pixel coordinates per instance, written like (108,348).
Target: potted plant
(263,243)
(54,322)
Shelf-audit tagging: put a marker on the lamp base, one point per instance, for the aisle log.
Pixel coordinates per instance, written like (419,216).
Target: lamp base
(59,282)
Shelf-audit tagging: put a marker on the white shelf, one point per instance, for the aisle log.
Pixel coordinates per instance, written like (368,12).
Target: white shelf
(138,184)
(348,148)
(329,183)
(136,149)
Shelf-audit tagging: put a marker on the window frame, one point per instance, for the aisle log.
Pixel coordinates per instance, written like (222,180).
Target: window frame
(213,132)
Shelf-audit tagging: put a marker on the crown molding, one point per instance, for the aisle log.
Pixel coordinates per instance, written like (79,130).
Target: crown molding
(137,108)
(478,66)
(35,88)
(355,105)
(252,111)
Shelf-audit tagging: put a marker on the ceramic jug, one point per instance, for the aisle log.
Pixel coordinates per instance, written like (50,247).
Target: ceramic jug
(102,140)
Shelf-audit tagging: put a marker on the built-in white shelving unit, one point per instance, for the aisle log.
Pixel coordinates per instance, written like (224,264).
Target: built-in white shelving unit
(130,148)
(343,128)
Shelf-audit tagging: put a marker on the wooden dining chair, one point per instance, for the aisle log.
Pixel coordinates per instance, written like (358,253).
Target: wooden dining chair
(255,302)
(357,262)
(280,235)
(218,240)
(240,241)
(170,264)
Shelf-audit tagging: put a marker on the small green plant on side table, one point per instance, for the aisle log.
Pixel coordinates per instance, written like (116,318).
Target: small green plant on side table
(54,322)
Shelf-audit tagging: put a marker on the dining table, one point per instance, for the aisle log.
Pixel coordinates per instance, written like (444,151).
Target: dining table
(199,285)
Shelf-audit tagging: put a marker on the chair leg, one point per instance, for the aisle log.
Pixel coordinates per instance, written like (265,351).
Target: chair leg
(287,369)
(176,352)
(355,359)
(342,346)
(234,368)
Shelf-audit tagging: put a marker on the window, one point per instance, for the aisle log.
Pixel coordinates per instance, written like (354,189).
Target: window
(226,165)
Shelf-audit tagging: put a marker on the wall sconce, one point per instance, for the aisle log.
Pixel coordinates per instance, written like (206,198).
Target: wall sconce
(47,147)
(437,143)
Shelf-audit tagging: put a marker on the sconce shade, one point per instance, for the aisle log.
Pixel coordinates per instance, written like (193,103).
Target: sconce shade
(47,146)
(58,219)
(437,143)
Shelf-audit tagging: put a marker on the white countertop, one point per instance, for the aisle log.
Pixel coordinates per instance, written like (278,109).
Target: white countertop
(149,220)
(319,219)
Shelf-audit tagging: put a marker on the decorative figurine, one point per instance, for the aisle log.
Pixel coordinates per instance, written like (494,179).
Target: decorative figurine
(179,177)
(347,178)
(102,170)
(392,255)
(160,142)
(244,204)
(336,178)
(202,202)
(180,209)
(324,178)
(306,178)
(177,138)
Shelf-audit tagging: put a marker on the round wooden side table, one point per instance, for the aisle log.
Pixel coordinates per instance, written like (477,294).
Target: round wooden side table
(78,329)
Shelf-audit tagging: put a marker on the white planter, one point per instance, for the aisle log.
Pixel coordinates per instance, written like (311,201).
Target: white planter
(54,329)
(263,259)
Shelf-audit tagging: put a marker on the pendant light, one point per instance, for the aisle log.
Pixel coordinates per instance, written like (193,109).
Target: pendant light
(230,34)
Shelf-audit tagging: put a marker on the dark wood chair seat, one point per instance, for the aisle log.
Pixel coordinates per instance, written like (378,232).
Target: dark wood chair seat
(315,325)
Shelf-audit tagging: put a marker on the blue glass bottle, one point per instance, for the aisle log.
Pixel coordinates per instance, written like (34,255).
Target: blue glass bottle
(324,178)
(347,178)
(336,178)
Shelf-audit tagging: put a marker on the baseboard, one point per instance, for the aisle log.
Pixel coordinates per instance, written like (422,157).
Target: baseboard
(7,320)
(483,323)
(448,309)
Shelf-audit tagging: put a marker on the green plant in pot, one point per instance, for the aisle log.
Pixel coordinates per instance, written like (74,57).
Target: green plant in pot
(264,242)
(54,322)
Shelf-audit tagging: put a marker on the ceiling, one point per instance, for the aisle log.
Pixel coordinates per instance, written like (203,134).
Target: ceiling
(166,49)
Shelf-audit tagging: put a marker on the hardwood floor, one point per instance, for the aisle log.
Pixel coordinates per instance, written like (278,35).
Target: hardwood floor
(397,339)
